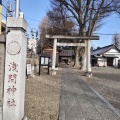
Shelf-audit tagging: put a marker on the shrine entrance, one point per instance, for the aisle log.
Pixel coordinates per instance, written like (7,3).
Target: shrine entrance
(86,44)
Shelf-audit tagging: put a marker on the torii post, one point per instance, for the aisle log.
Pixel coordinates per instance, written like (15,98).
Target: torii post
(87,44)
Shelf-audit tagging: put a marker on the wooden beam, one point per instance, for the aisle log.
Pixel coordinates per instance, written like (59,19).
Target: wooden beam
(71,44)
(73,37)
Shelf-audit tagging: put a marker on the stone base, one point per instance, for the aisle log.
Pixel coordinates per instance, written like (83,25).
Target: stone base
(53,72)
(88,74)
(25,118)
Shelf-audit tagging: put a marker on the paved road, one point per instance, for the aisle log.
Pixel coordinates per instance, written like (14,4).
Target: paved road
(79,102)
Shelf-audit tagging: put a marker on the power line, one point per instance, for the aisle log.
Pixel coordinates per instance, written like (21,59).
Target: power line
(32,19)
(39,21)
(3,15)
(105,34)
(10,14)
(33,24)
(6,8)
(29,26)
(20,10)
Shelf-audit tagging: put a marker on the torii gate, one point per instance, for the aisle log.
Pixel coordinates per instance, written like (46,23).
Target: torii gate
(87,44)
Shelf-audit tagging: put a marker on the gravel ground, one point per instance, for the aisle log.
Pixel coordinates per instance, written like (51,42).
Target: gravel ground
(105,80)
(43,92)
(42,96)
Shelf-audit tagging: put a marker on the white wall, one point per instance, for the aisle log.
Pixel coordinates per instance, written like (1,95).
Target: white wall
(32,43)
(115,61)
(102,62)
(117,54)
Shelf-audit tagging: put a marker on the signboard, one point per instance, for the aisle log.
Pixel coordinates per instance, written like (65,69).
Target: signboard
(44,61)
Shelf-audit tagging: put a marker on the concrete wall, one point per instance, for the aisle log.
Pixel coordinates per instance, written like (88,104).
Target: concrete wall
(2,70)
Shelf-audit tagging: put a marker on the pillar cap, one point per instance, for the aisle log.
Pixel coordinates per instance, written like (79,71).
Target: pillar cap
(16,23)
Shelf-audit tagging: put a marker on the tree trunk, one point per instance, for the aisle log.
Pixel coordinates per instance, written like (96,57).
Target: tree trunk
(84,60)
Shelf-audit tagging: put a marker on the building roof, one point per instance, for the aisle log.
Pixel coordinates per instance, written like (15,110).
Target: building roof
(49,47)
(110,56)
(103,49)
(66,53)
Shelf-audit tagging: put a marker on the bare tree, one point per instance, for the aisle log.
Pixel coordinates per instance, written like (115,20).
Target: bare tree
(89,14)
(43,29)
(59,23)
(55,22)
(116,40)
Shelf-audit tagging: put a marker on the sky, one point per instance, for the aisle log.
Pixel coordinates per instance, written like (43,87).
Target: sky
(35,10)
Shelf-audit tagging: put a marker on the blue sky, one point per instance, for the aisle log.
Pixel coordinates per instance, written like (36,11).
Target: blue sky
(32,9)
(36,10)
(111,26)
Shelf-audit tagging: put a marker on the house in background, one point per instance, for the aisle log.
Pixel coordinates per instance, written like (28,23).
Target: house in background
(105,56)
(60,55)
(48,50)
(66,55)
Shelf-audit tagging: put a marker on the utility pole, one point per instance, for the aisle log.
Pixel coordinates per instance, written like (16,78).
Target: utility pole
(17,8)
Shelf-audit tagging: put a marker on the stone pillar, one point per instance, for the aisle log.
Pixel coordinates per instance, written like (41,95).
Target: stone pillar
(84,58)
(54,57)
(15,69)
(2,70)
(88,66)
